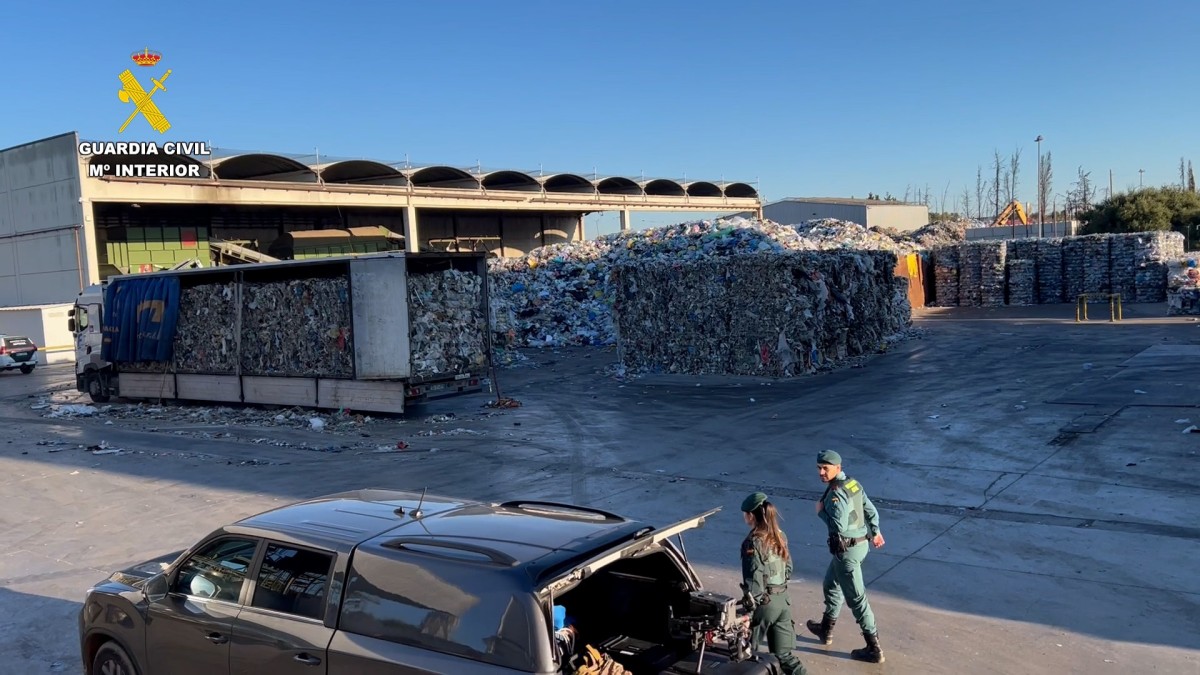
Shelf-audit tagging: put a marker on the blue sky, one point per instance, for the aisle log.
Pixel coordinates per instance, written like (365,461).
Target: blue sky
(807,99)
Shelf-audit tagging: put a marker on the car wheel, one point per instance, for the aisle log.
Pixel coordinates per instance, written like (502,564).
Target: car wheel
(96,389)
(112,660)
(26,369)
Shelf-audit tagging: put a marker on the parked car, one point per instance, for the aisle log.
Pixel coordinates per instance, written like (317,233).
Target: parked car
(380,582)
(18,352)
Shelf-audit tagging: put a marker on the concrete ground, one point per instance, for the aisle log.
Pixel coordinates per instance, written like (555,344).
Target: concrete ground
(1036,485)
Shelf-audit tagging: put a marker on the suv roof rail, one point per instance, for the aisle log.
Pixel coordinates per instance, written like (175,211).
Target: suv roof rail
(411,544)
(555,506)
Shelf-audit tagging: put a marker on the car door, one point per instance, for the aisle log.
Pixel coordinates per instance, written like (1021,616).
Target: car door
(188,631)
(281,629)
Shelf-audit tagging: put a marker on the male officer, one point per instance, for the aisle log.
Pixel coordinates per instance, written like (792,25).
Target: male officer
(852,521)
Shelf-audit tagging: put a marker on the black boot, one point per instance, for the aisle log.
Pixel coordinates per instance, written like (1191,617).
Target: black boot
(872,653)
(823,630)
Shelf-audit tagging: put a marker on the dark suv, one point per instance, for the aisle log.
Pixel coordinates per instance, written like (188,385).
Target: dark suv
(377,582)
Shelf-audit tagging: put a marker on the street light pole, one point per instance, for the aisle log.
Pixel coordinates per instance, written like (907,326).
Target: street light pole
(1140,172)
(1041,206)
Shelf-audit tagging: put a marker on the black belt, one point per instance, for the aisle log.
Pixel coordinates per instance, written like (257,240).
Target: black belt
(855,540)
(776,590)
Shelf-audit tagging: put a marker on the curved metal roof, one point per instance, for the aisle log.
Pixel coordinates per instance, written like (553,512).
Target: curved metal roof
(702,188)
(362,171)
(509,180)
(442,176)
(664,187)
(616,185)
(262,166)
(568,182)
(740,190)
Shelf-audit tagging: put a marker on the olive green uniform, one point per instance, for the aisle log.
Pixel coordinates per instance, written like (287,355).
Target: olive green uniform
(764,578)
(850,515)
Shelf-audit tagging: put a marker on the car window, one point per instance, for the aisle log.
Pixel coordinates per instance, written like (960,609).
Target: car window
(446,606)
(218,570)
(81,317)
(293,580)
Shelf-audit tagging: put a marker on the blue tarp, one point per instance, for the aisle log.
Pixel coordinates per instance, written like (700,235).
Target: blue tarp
(140,317)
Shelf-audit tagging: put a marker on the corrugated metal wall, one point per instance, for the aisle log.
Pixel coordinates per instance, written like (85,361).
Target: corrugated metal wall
(792,213)
(41,250)
(902,217)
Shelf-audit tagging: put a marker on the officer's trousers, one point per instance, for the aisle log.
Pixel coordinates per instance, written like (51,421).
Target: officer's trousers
(844,581)
(774,622)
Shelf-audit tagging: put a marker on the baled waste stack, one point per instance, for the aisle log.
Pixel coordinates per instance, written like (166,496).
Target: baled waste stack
(445,310)
(297,328)
(992,255)
(945,276)
(777,314)
(969,275)
(1050,271)
(563,293)
(1022,272)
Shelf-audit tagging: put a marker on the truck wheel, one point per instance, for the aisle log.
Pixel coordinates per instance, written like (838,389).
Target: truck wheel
(96,389)
(26,369)
(112,660)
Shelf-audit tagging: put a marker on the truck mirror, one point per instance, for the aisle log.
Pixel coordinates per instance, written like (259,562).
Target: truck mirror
(71,312)
(71,324)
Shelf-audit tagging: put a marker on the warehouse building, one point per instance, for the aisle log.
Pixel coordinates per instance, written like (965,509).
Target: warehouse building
(866,212)
(68,220)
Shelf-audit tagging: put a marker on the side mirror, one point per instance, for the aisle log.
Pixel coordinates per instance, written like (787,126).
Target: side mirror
(71,312)
(71,324)
(156,587)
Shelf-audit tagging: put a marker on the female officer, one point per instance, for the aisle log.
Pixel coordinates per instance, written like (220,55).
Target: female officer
(766,568)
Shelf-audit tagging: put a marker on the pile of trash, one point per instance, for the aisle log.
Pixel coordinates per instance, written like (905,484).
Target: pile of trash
(449,329)
(775,315)
(563,294)
(297,328)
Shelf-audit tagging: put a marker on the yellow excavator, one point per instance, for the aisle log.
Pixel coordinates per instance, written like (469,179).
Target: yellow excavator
(1013,207)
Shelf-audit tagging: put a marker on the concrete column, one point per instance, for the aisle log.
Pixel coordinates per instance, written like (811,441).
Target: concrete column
(625,218)
(87,236)
(581,228)
(410,230)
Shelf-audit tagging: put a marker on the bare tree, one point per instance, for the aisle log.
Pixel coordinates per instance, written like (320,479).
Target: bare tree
(907,190)
(1191,184)
(1084,192)
(1046,180)
(1182,175)
(980,191)
(1014,173)
(966,202)
(996,188)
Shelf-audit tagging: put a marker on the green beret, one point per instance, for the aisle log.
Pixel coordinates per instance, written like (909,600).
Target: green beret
(753,501)
(829,457)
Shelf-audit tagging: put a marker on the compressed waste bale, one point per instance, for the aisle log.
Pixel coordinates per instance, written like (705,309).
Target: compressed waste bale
(1021,263)
(1154,251)
(945,276)
(992,255)
(1074,262)
(1050,289)
(206,337)
(1150,282)
(1125,253)
(447,321)
(969,275)
(1022,277)
(777,314)
(563,293)
(297,328)
(1096,251)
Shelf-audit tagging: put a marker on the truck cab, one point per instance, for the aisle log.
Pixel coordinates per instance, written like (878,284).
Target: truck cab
(92,373)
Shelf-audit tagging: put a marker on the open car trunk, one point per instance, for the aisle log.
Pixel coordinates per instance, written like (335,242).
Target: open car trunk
(642,612)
